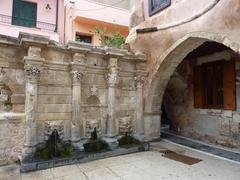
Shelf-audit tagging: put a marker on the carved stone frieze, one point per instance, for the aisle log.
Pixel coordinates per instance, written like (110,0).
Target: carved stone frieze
(50,126)
(125,125)
(91,124)
(32,72)
(79,58)
(77,76)
(34,52)
(94,90)
(5,98)
(139,81)
(112,79)
(112,76)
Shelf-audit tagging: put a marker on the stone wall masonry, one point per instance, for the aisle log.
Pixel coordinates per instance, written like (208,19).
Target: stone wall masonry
(73,88)
(11,137)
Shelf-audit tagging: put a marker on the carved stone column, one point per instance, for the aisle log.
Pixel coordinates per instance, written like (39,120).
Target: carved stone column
(112,80)
(32,74)
(77,72)
(139,80)
(76,106)
(32,66)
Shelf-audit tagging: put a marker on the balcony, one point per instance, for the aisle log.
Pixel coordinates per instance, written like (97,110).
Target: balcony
(8,20)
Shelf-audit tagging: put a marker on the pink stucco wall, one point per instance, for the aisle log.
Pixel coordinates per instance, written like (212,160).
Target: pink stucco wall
(43,15)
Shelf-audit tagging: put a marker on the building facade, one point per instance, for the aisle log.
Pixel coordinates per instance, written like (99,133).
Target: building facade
(32,16)
(83,16)
(193,67)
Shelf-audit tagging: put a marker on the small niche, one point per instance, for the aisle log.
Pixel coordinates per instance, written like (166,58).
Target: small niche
(93,99)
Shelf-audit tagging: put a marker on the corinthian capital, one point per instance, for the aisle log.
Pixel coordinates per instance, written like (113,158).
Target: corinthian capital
(32,72)
(77,76)
(139,81)
(112,79)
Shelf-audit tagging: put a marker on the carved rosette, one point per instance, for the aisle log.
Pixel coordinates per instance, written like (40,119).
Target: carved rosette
(77,76)
(32,72)
(139,81)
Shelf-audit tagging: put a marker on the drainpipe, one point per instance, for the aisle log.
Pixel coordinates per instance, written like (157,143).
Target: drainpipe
(56,28)
(146,30)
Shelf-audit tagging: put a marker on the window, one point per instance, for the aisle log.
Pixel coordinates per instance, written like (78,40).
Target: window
(84,38)
(214,85)
(24,13)
(158,5)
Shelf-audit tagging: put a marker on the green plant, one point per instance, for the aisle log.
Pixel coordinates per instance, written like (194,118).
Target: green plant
(115,39)
(128,141)
(54,148)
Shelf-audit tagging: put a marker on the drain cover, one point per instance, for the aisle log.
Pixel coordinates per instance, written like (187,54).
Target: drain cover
(181,158)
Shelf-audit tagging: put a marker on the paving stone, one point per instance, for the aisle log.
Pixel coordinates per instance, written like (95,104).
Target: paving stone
(149,165)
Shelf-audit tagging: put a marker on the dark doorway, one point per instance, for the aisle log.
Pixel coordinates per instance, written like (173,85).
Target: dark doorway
(165,121)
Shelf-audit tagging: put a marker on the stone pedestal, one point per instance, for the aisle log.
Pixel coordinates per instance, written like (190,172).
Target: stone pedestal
(112,142)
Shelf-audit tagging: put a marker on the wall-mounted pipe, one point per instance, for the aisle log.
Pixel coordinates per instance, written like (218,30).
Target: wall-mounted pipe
(56,27)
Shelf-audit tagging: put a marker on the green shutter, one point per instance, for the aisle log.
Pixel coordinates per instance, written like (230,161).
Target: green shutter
(24,13)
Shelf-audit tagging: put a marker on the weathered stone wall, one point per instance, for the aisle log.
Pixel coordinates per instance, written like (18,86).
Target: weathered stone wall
(211,125)
(72,88)
(168,36)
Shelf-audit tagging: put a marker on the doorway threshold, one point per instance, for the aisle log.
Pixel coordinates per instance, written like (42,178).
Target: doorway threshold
(201,146)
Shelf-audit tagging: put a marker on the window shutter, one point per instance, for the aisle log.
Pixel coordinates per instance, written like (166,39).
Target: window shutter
(229,85)
(198,87)
(24,13)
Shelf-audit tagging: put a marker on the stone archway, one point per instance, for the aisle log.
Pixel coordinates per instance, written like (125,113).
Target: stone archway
(166,64)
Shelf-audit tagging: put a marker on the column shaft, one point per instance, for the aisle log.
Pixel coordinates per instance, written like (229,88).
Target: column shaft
(76,106)
(111,129)
(32,76)
(139,111)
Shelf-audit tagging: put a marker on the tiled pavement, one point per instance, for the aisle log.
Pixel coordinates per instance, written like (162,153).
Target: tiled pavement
(225,153)
(140,166)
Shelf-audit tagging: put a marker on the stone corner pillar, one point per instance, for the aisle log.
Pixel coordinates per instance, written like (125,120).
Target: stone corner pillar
(32,67)
(139,81)
(112,81)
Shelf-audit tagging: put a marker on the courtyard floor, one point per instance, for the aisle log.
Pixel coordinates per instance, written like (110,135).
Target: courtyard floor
(140,166)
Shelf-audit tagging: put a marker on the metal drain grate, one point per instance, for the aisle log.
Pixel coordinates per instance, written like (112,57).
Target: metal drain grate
(180,158)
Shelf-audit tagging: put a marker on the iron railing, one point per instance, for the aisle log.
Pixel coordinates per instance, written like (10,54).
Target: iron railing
(4,19)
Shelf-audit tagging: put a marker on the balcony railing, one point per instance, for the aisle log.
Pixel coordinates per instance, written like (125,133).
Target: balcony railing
(4,19)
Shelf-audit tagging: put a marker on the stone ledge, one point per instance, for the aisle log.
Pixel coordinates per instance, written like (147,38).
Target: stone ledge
(12,116)
(82,158)
(40,40)
(33,38)
(8,40)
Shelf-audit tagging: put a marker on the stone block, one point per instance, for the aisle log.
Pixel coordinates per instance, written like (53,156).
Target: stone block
(54,116)
(152,126)
(54,108)
(56,78)
(18,99)
(54,99)
(236,118)
(54,90)
(227,113)
(18,108)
